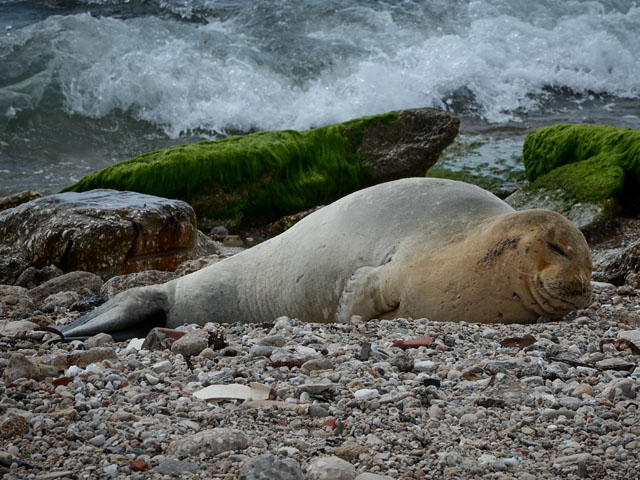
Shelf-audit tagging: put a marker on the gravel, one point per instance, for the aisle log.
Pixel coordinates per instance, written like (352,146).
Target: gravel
(547,400)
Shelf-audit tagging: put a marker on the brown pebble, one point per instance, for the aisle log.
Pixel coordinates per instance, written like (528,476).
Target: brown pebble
(138,465)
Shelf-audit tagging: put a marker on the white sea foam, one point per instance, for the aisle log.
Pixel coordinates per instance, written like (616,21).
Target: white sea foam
(240,73)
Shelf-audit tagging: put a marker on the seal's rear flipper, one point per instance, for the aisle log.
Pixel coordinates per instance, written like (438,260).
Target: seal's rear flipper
(128,315)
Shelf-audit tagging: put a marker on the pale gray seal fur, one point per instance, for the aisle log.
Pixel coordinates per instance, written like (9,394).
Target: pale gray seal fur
(416,247)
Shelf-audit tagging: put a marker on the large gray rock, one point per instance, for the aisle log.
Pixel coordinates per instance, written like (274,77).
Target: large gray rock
(270,467)
(101,231)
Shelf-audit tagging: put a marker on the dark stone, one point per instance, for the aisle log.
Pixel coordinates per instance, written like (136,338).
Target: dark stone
(87,303)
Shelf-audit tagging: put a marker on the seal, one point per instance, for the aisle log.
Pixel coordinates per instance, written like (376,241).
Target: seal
(416,247)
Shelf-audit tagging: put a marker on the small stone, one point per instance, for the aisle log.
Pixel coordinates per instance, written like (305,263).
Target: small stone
(403,361)
(330,468)
(317,364)
(413,343)
(94,355)
(582,389)
(110,469)
(318,410)
(261,350)
(99,340)
(273,341)
(366,393)
(270,467)
(573,459)
(98,440)
(424,366)
(468,419)
(194,342)
(14,427)
(213,442)
(138,465)
(151,379)
(619,388)
(165,366)
(435,412)
(173,466)
(372,476)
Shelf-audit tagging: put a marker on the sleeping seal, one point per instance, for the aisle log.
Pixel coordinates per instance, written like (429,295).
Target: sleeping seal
(416,247)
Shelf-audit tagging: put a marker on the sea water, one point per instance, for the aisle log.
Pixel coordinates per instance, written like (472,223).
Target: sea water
(87,83)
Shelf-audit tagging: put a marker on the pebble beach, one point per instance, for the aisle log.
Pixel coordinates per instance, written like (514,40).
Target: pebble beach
(399,399)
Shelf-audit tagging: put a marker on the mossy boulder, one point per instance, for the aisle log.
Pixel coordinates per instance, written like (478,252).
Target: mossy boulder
(257,178)
(585,172)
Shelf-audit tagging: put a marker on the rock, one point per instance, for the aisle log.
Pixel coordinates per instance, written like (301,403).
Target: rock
(20,366)
(468,419)
(373,476)
(318,410)
(192,343)
(175,467)
(191,266)
(14,427)
(211,442)
(60,300)
(573,459)
(242,179)
(32,276)
(330,468)
(82,283)
(16,328)
(273,341)
(403,361)
(120,283)
(270,467)
(366,393)
(632,336)
(349,452)
(99,340)
(582,389)
(620,388)
(94,355)
(15,301)
(103,231)
(138,465)
(317,364)
(619,266)
(16,199)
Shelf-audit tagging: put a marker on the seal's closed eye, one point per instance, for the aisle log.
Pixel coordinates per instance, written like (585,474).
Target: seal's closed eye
(557,249)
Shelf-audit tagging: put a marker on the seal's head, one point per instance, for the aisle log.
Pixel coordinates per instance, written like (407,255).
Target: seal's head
(555,263)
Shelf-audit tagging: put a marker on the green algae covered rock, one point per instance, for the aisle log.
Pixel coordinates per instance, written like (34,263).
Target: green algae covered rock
(256,178)
(581,171)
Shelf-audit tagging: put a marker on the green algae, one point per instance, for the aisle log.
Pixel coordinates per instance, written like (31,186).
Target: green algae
(265,174)
(552,147)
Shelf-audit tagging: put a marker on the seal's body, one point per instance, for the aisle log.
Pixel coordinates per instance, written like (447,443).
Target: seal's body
(416,247)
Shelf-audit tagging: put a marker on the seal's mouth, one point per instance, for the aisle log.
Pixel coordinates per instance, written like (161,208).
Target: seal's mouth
(554,299)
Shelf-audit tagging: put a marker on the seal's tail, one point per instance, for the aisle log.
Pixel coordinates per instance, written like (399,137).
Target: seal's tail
(129,314)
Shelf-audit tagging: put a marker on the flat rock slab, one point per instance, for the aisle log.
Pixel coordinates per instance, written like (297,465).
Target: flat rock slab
(105,232)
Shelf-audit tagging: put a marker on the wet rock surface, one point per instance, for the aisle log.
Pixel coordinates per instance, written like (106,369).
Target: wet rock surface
(103,231)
